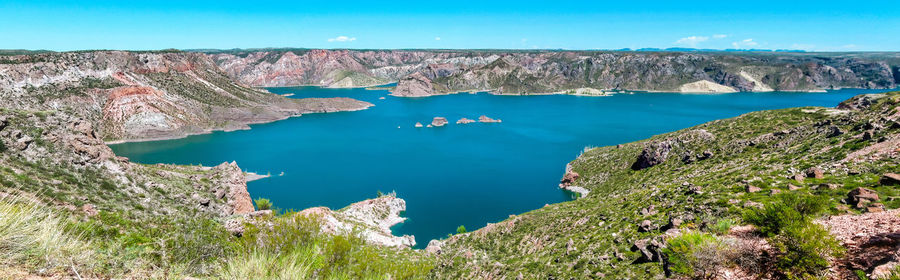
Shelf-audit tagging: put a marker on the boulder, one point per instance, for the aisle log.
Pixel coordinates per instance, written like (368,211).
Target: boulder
(815,172)
(89,209)
(435,247)
(687,158)
(890,179)
(652,155)
(861,197)
(875,207)
(706,155)
(752,189)
(418,124)
(439,121)
(798,177)
(646,226)
(834,131)
(649,249)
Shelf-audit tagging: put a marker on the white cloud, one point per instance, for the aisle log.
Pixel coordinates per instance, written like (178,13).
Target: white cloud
(719,36)
(746,43)
(437,38)
(691,41)
(850,47)
(342,39)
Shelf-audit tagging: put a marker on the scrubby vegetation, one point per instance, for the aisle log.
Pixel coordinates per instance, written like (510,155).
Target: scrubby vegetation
(696,255)
(34,239)
(701,179)
(803,248)
(263,204)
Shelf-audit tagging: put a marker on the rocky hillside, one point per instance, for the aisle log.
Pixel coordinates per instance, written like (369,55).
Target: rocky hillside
(61,160)
(701,181)
(71,209)
(333,68)
(425,73)
(146,95)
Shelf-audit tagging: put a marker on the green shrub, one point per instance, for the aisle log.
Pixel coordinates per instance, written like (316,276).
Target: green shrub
(2,146)
(787,208)
(804,249)
(461,229)
(695,254)
(263,204)
(722,226)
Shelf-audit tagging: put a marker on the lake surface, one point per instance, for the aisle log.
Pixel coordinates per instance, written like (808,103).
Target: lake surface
(454,175)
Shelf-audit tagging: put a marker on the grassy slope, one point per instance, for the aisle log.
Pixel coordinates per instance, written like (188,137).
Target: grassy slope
(149,225)
(593,236)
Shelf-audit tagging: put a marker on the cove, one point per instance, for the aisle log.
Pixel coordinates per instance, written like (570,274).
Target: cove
(453,175)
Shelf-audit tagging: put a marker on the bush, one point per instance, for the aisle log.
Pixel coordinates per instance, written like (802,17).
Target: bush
(787,208)
(263,204)
(461,229)
(804,249)
(722,226)
(696,255)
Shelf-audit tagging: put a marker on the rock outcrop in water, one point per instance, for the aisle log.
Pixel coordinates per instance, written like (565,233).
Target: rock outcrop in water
(486,119)
(372,218)
(465,121)
(439,121)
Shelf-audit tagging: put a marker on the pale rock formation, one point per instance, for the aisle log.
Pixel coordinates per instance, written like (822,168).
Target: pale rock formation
(372,219)
(705,86)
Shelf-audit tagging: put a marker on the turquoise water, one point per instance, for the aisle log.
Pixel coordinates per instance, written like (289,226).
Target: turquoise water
(454,175)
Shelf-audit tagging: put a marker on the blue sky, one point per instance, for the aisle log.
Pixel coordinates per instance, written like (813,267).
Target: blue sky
(141,25)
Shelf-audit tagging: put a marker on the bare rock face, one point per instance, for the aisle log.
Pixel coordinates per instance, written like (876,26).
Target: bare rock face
(568,182)
(415,85)
(652,155)
(231,179)
(439,121)
(84,141)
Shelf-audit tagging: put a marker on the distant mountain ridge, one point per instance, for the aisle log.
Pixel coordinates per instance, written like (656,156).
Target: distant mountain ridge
(432,72)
